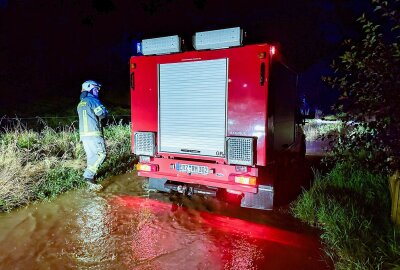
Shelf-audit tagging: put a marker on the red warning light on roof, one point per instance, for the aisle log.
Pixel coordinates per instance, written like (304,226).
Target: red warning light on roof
(272,50)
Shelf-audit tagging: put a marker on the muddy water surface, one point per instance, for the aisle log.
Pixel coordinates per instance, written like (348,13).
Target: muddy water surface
(127,227)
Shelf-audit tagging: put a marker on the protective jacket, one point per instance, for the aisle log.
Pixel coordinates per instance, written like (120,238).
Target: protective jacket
(90,111)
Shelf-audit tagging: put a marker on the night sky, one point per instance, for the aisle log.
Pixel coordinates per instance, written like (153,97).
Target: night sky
(49,47)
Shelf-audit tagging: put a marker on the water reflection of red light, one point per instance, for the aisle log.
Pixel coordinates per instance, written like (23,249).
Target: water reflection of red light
(224,242)
(225,224)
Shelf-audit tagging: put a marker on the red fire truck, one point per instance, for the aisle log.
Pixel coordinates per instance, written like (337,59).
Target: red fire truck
(214,118)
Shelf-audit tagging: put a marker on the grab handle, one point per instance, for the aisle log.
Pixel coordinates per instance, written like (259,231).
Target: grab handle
(133,81)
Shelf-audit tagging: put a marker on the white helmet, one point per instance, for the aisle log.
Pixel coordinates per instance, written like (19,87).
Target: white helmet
(90,85)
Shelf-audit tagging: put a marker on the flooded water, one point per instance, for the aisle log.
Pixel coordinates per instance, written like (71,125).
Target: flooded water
(127,227)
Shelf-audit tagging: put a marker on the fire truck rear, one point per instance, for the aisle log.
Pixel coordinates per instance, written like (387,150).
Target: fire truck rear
(213,119)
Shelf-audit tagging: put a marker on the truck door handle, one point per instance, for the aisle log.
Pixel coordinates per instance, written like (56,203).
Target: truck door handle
(133,81)
(262,74)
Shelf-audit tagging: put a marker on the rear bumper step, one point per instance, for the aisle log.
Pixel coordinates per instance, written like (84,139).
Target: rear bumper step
(263,199)
(199,180)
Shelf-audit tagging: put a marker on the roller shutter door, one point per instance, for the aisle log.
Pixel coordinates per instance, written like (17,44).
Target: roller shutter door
(192,107)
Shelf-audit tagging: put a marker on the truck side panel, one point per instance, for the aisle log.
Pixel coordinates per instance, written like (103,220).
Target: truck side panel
(282,105)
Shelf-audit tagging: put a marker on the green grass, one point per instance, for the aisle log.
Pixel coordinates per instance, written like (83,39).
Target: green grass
(352,207)
(57,181)
(40,165)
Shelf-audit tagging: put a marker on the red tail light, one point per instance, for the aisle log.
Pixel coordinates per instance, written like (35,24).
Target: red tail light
(246,180)
(146,167)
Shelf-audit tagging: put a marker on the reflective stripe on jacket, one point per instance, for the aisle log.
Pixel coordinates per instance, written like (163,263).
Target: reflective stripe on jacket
(90,111)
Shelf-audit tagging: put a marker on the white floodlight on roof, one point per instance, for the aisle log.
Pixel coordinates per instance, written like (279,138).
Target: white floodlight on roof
(218,39)
(162,45)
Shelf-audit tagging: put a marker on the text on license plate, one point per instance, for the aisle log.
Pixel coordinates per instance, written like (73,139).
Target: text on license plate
(189,168)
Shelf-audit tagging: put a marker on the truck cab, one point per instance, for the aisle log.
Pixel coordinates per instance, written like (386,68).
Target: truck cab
(212,119)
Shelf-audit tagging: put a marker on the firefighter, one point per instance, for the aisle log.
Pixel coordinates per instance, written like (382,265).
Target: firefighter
(91,111)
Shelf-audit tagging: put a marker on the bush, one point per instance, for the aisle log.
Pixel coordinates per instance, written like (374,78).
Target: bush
(57,181)
(351,206)
(367,77)
(361,144)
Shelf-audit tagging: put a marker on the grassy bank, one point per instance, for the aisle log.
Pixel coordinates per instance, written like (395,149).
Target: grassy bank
(352,207)
(39,165)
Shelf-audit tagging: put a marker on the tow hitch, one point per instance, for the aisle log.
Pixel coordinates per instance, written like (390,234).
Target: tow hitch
(190,190)
(167,186)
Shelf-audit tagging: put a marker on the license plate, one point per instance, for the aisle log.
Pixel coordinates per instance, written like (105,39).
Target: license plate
(192,169)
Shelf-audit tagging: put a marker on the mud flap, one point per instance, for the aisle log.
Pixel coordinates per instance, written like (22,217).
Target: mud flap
(263,200)
(158,184)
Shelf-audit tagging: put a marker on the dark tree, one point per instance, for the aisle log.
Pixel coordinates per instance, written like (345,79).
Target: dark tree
(367,75)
